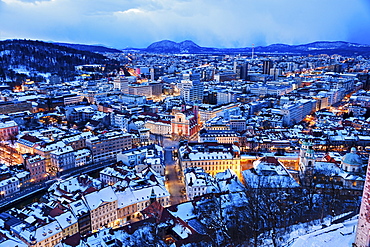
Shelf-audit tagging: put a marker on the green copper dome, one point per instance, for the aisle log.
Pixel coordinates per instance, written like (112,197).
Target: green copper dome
(352,158)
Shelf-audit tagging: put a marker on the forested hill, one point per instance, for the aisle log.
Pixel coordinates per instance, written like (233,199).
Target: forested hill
(92,48)
(42,57)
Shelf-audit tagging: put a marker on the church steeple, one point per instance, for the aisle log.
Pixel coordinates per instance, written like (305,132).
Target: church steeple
(153,197)
(306,158)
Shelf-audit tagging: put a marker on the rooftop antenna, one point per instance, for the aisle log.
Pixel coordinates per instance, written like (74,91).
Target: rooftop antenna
(252,51)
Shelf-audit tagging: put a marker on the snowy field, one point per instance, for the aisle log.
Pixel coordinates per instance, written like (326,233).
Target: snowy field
(312,234)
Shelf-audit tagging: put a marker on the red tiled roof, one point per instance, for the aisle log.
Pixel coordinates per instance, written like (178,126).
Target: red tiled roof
(30,138)
(270,160)
(56,212)
(73,240)
(154,210)
(90,190)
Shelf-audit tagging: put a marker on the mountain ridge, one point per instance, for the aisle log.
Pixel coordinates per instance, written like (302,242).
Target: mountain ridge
(317,47)
(90,48)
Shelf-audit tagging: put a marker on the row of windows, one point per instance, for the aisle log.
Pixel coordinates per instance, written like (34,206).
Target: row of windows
(128,210)
(103,223)
(10,191)
(5,131)
(37,170)
(211,163)
(217,168)
(105,155)
(9,186)
(103,209)
(37,164)
(197,188)
(195,194)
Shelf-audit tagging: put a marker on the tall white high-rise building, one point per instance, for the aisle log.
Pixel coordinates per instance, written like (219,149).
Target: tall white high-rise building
(191,91)
(121,83)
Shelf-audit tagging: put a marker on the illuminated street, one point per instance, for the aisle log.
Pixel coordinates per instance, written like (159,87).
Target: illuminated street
(174,183)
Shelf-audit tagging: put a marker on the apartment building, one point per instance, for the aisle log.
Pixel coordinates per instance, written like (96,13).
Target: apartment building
(37,168)
(198,182)
(62,159)
(14,106)
(82,213)
(142,157)
(47,235)
(77,141)
(82,157)
(220,136)
(68,223)
(8,129)
(132,201)
(105,147)
(9,186)
(159,127)
(212,158)
(103,208)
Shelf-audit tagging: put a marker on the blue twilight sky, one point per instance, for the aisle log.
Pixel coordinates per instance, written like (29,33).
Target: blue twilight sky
(217,23)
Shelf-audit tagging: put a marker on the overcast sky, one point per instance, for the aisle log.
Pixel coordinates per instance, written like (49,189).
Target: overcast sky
(217,23)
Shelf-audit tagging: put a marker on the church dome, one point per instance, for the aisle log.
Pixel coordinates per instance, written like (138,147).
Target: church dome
(352,158)
(305,142)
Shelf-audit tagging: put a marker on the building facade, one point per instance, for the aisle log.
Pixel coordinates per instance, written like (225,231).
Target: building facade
(62,159)
(213,158)
(363,226)
(8,129)
(198,183)
(106,146)
(37,167)
(9,186)
(103,208)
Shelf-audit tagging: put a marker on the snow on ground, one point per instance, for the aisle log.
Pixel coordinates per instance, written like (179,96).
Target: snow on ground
(338,235)
(24,70)
(316,234)
(185,211)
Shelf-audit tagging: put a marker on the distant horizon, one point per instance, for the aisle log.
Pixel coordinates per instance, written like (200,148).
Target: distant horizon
(218,47)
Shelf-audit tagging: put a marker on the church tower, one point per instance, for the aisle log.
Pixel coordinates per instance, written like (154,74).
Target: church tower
(306,158)
(153,197)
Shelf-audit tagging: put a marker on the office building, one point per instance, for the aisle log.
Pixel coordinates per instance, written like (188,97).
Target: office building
(267,65)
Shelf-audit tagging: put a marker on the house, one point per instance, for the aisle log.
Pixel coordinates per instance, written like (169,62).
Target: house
(62,159)
(102,205)
(9,186)
(37,167)
(198,182)
(268,172)
(8,130)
